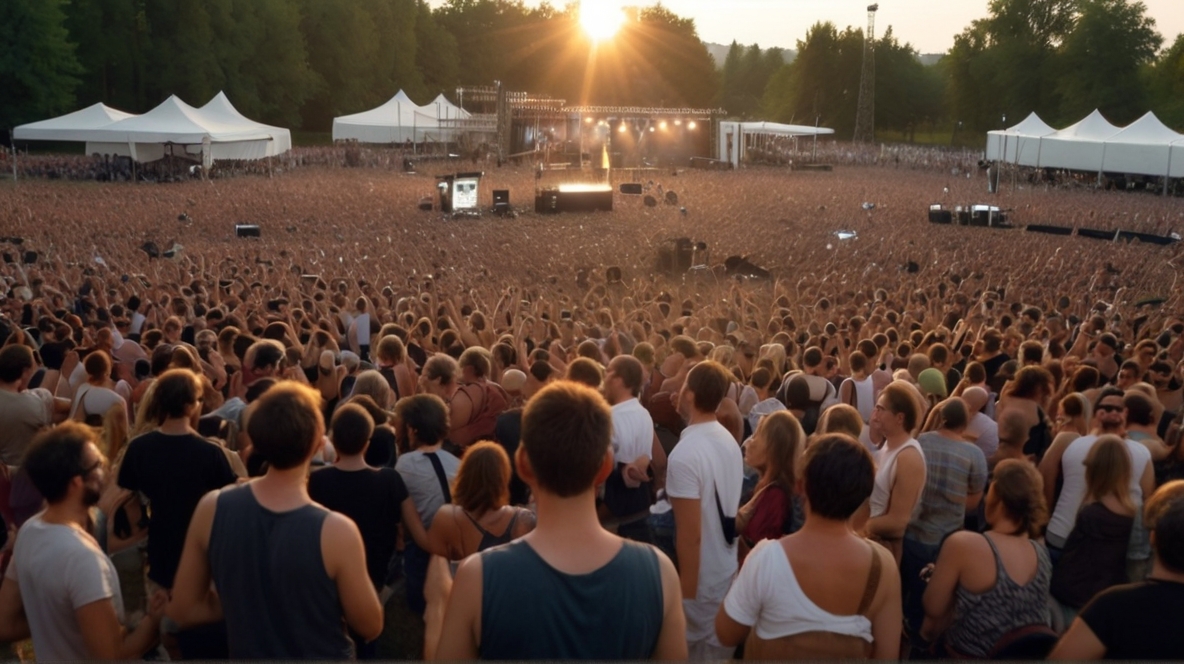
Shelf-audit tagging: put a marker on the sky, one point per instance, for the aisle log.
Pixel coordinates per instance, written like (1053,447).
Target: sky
(929,25)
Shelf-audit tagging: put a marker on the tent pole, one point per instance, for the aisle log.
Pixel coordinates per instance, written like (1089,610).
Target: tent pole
(12,142)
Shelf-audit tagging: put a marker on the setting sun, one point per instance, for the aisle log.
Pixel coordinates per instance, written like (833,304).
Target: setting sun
(601,19)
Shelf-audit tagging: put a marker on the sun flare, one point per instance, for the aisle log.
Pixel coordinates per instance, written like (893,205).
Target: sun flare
(601,19)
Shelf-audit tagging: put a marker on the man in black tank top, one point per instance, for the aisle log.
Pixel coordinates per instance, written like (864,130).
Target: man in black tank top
(290,575)
(534,598)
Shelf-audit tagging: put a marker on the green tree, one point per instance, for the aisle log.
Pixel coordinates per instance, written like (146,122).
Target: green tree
(110,36)
(181,56)
(1101,60)
(436,53)
(1166,85)
(38,68)
(822,83)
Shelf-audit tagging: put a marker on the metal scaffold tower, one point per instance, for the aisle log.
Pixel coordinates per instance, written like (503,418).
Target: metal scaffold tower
(865,114)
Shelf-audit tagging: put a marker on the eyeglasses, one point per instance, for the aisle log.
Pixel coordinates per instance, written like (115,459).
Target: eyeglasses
(1111,409)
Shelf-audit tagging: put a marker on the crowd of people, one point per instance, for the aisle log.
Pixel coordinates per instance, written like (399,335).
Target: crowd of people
(377,432)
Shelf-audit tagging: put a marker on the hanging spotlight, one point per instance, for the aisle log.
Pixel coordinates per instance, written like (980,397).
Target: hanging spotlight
(692,125)
(662,125)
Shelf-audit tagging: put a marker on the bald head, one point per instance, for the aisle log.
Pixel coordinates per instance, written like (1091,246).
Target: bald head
(976,399)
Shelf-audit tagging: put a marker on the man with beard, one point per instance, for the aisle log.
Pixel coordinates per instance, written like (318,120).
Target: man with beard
(60,588)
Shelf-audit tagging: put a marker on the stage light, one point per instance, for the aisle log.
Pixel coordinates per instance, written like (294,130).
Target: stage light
(651,129)
(601,19)
(588,120)
(622,129)
(678,123)
(662,125)
(692,125)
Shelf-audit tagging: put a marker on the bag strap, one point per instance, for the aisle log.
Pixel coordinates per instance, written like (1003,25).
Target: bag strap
(80,413)
(720,508)
(439,468)
(873,581)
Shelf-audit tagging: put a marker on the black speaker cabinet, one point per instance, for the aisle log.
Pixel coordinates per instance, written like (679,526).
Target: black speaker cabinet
(247,230)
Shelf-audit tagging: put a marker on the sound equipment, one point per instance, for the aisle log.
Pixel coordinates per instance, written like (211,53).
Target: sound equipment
(631,188)
(940,215)
(1051,230)
(247,230)
(575,198)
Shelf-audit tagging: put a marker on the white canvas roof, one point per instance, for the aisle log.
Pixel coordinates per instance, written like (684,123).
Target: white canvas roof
(175,127)
(1144,147)
(1079,147)
(446,110)
(1018,144)
(737,130)
(396,121)
(72,126)
(219,108)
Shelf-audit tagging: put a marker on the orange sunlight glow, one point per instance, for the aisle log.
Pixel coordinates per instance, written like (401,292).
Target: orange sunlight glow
(601,19)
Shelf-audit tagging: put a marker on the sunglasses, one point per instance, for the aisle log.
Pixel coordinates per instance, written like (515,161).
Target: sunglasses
(1111,409)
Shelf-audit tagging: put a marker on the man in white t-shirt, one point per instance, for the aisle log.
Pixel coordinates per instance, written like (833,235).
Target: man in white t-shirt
(703,481)
(61,589)
(1109,418)
(627,490)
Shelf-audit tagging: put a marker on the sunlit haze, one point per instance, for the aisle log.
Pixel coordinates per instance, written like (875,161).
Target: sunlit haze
(601,19)
(929,25)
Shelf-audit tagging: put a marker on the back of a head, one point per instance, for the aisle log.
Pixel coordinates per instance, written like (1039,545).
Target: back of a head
(285,425)
(97,366)
(373,384)
(857,361)
(424,417)
(708,382)
(1163,515)
(841,418)
(812,357)
(351,428)
(917,364)
(566,431)
(1031,382)
(176,390)
(55,457)
(441,367)
(541,370)
(390,349)
(784,441)
(477,360)
(644,352)
(975,374)
(630,371)
(1108,470)
(976,399)
(14,360)
(1013,428)
(483,480)
(684,346)
(932,382)
(839,474)
(797,392)
(586,372)
(266,354)
(1019,490)
(954,415)
(1139,409)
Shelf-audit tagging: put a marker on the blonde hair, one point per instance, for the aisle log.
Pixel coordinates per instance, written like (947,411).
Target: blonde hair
(784,442)
(1108,471)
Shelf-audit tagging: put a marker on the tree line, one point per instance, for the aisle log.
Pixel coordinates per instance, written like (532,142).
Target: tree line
(299,63)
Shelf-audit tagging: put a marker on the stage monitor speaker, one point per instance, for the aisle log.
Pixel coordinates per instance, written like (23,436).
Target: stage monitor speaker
(940,215)
(501,196)
(247,230)
(547,201)
(631,188)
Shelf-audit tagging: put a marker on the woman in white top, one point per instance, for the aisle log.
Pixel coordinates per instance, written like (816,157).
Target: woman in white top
(823,592)
(900,477)
(94,398)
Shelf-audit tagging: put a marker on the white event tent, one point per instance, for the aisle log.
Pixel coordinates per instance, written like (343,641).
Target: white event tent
(1018,144)
(1145,147)
(71,126)
(733,143)
(400,120)
(173,127)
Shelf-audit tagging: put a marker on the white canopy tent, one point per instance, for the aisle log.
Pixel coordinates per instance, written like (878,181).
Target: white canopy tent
(72,126)
(397,121)
(1176,160)
(1144,147)
(219,108)
(732,143)
(177,128)
(1080,147)
(1018,144)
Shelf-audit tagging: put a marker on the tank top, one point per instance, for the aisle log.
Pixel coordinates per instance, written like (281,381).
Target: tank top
(864,397)
(488,539)
(981,620)
(886,473)
(278,601)
(530,610)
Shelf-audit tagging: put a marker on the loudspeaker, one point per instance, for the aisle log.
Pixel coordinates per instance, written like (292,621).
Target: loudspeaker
(631,188)
(940,215)
(501,196)
(547,201)
(247,230)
